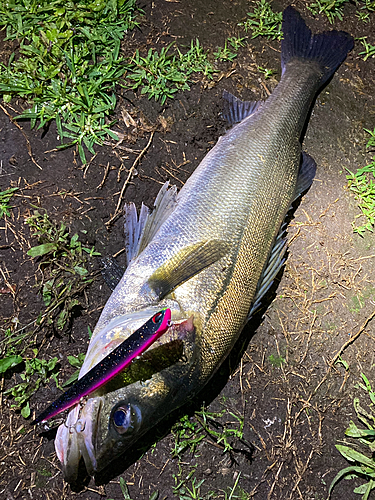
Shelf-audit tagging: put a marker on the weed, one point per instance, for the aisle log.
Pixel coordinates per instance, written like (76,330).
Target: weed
(5,197)
(267,72)
(362,185)
(276,361)
(68,63)
(188,434)
(236,492)
(364,466)
(221,433)
(224,53)
(331,8)
(369,49)
(161,75)
(263,21)
(236,42)
(63,266)
(185,492)
(76,362)
(37,372)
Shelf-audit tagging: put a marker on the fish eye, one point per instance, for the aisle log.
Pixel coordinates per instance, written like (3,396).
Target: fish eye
(126,418)
(122,419)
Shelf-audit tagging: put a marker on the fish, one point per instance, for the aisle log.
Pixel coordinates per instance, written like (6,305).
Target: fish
(115,361)
(209,253)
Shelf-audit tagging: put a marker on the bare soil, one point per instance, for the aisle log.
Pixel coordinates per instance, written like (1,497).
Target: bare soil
(294,414)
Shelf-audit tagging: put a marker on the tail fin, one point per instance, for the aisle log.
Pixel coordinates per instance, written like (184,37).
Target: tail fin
(329,49)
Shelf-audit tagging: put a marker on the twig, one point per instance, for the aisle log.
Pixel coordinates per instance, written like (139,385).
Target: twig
(275,481)
(302,473)
(136,161)
(104,177)
(342,349)
(23,133)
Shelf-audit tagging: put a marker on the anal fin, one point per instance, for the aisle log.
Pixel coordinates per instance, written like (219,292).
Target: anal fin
(274,264)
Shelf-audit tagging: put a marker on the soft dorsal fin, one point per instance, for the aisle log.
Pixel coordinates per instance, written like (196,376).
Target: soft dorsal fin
(236,110)
(185,264)
(139,231)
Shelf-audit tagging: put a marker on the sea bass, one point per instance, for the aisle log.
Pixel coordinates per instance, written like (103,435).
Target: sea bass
(208,253)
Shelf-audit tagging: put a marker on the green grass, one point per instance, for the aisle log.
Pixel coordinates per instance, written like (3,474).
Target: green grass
(63,262)
(362,185)
(5,197)
(68,63)
(263,21)
(189,433)
(267,72)
(63,265)
(333,9)
(369,49)
(36,372)
(188,436)
(362,464)
(161,75)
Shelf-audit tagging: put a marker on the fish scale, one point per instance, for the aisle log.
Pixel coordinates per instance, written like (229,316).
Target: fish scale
(208,253)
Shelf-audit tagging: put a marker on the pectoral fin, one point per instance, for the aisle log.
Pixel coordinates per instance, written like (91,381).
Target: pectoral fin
(185,264)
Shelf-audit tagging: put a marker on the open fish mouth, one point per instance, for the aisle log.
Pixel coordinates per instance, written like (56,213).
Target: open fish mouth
(107,412)
(75,439)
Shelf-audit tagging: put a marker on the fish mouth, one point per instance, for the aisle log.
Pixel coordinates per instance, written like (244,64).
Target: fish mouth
(92,435)
(75,439)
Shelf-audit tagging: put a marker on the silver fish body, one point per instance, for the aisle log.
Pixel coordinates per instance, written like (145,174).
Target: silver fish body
(209,255)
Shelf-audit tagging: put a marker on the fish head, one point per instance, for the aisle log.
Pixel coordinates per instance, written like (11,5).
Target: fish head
(115,416)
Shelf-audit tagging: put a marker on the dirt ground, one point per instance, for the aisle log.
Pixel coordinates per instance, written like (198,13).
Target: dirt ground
(294,414)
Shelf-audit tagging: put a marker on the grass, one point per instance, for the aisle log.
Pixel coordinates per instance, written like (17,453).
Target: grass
(188,436)
(263,21)
(362,185)
(268,73)
(68,63)
(333,9)
(36,372)
(190,433)
(63,262)
(369,49)
(362,465)
(63,265)
(161,75)
(5,197)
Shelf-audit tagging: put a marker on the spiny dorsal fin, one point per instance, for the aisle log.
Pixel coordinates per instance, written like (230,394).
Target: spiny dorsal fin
(133,229)
(140,231)
(236,110)
(185,264)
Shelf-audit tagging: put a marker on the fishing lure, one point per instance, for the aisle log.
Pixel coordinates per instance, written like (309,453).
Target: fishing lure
(111,365)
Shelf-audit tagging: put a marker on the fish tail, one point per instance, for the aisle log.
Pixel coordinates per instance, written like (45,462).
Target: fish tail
(329,48)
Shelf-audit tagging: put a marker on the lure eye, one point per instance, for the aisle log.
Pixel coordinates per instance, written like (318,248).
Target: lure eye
(122,419)
(157,317)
